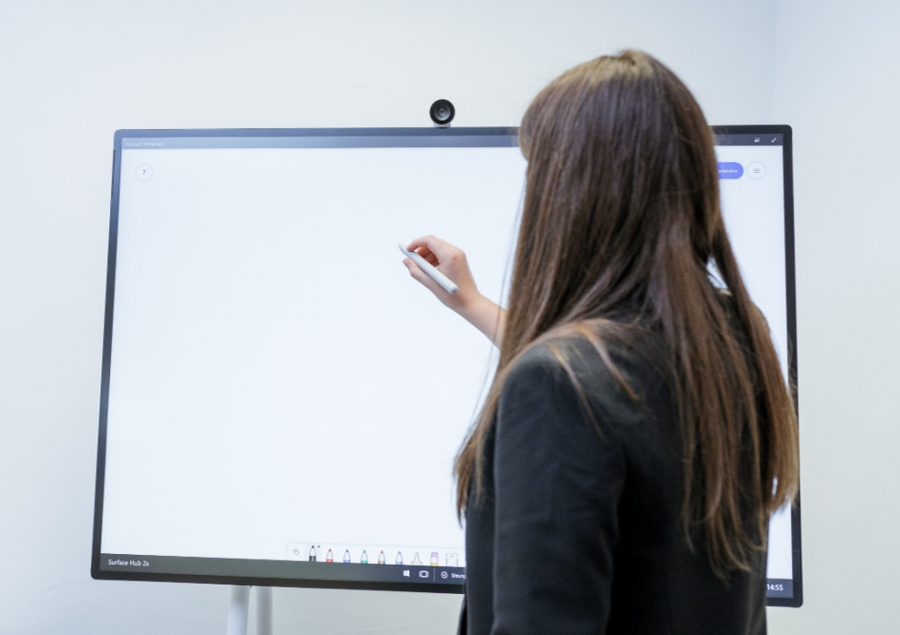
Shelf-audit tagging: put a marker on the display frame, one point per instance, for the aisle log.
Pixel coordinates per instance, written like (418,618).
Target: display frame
(222,571)
(786,133)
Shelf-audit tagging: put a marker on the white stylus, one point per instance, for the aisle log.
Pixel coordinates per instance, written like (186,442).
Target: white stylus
(426,266)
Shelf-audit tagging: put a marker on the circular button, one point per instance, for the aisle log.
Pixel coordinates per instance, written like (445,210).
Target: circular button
(756,170)
(143,172)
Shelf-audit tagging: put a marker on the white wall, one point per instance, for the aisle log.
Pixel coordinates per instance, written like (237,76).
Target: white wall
(72,73)
(836,82)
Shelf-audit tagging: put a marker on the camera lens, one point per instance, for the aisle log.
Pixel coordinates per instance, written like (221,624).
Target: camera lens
(442,112)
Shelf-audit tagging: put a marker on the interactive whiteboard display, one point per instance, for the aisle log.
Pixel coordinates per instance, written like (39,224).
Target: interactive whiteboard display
(281,403)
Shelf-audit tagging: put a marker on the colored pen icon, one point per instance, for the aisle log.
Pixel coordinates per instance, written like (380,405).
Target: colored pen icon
(364,559)
(415,559)
(399,558)
(329,557)
(381,558)
(347,556)
(312,554)
(434,559)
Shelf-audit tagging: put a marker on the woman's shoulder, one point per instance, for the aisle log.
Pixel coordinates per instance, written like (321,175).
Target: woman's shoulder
(633,353)
(621,381)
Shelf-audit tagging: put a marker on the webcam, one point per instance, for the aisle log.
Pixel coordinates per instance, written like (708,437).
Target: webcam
(442,112)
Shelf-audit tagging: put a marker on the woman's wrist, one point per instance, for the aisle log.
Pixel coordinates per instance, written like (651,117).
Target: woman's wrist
(484,315)
(472,308)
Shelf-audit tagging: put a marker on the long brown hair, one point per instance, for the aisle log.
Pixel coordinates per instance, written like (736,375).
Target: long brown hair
(621,213)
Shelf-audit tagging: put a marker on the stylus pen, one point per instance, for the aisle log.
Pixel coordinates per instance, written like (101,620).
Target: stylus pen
(426,266)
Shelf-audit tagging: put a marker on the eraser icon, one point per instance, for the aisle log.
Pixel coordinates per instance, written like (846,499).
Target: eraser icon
(434,559)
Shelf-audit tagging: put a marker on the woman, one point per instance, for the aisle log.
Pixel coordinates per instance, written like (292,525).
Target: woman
(638,432)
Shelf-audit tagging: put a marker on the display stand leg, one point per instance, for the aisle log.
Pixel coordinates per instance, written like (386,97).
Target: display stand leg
(239,609)
(264,611)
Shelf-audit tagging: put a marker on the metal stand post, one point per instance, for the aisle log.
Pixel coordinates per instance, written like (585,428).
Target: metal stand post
(264,611)
(239,609)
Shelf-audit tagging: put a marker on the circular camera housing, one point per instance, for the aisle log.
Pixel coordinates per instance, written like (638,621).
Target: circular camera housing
(442,112)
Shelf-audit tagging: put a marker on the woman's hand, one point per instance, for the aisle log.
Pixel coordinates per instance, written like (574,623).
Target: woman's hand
(483,314)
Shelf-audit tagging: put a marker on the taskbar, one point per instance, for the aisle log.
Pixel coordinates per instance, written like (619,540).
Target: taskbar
(329,575)
(779,588)
(292,573)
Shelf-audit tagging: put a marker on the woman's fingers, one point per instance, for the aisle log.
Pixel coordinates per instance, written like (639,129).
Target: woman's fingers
(452,263)
(427,254)
(440,248)
(420,276)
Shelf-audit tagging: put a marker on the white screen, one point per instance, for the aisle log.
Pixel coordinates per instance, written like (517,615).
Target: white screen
(753,207)
(281,388)
(276,375)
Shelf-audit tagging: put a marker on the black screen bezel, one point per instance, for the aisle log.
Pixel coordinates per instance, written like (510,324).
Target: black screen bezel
(433,137)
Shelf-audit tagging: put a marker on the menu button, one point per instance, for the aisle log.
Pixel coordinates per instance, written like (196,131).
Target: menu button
(756,170)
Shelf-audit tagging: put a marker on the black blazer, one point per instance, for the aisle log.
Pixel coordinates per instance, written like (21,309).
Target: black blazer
(578,531)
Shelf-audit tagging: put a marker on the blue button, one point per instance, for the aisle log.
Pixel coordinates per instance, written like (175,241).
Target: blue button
(730,170)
